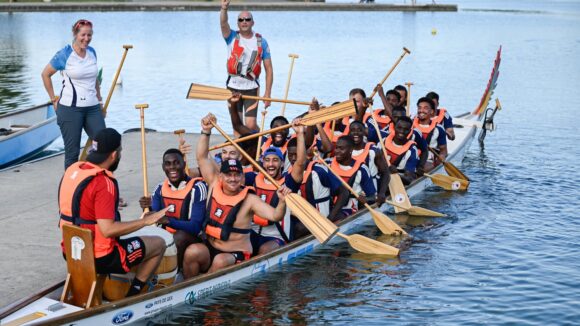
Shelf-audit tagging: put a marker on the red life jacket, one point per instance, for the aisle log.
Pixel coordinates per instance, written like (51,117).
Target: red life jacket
(70,192)
(222,211)
(395,151)
(382,120)
(425,131)
(440,116)
(266,192)
(180,199)
(234,64)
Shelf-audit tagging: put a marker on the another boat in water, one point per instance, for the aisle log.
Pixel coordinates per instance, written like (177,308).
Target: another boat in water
(25,133)
(46,307)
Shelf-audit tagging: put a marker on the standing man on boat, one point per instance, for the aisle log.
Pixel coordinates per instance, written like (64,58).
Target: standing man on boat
(247,52)
(89,198)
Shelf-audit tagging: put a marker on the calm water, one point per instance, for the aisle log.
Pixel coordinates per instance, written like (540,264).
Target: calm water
(509,252)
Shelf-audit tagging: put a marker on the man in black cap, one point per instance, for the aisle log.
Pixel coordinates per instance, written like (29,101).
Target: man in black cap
(89,198)
(229,214)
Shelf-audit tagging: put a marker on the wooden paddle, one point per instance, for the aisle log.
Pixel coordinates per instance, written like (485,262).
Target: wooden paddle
(318,225)
(397,189)
(448,182)
(450,168)
(383,222)
(90,141)
(292,57)
(405,52)
(141,108)
(336,111)
(259,149)
(203,92)
(179,133)
(409,84)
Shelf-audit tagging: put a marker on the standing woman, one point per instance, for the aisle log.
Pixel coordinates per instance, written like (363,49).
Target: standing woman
(79,105)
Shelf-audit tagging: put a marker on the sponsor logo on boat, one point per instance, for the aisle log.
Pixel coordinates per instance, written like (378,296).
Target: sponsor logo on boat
(260,267)
(296,254)
(193,296)
(149,305)
(122,317)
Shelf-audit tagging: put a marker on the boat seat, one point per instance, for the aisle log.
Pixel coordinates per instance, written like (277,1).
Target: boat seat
(83,287)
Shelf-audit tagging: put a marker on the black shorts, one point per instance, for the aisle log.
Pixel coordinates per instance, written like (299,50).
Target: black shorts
(129,253)
(239,256)
(251,106)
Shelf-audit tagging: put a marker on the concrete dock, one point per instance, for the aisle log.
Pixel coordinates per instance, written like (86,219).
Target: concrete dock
(215,6)
(30,258)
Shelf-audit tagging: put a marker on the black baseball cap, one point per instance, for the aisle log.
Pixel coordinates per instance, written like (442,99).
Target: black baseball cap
(231,166)
(107,141)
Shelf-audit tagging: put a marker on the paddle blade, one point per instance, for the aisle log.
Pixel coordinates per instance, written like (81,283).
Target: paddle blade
(369,246)
(399,194)
(453,171)
(203,92)
(322,228)
(337,111)
(420,211)
(385,224)
(449,183)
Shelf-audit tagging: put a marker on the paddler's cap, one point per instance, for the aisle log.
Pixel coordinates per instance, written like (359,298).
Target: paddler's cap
(231,166)
(107,141)
(273,151)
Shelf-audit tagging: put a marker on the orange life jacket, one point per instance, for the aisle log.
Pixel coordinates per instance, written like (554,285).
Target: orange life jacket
(249,168)
(334,136)
(235,60)
(70,192)
(346,120)
(440,116)
(266,192)
(346,175)
(365,153)
(425,131)
(222,211)
(382,120)
(180,200)
(268,143)
(395,151)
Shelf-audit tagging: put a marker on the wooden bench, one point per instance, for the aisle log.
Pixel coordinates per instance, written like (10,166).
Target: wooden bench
(83,287)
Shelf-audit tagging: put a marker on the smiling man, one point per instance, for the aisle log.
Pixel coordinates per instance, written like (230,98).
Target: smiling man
(186,198)
(247,52)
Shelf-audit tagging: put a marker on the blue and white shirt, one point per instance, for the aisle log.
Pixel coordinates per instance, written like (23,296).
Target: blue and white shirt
(79,77)
(250,45)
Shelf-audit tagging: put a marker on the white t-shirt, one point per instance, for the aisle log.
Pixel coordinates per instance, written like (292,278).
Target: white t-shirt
(79,77)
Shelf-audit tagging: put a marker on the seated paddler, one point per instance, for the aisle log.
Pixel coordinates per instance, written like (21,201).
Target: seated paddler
(230,209)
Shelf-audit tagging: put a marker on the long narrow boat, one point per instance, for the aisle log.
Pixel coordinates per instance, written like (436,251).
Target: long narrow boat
(25,133)
(45,306)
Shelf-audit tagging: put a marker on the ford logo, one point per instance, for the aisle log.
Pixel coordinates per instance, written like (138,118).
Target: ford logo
(122,317)
(149,305)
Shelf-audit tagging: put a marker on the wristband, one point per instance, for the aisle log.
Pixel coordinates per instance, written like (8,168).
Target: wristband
(206,133)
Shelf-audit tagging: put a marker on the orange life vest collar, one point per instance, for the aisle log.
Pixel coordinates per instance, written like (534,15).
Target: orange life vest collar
(382,120)
(440,116)
(235,64)
(425,131)
(268,143)
(364,154)
(394,150)
(346,175)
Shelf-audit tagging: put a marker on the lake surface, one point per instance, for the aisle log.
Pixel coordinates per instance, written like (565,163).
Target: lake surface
(509,252)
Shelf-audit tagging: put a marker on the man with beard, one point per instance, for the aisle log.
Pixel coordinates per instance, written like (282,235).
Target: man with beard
(368,153)
(268,236)
(186,198)
(432,132)
(354,172)
(402,151)
(442,116)
(89,198)
(230,209)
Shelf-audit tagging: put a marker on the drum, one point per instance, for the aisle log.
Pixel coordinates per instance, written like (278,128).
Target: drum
(117,285)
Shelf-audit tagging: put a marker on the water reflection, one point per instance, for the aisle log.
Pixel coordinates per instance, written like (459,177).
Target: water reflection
(12,65)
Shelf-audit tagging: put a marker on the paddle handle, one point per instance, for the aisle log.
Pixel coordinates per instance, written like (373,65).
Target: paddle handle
(409,84)
(293,57)
(258,150)
(441,158)
(252,136)
(374,122)
(179,134)
(141,108)
(251,97)
(246,155)
(405,52)
(117,73)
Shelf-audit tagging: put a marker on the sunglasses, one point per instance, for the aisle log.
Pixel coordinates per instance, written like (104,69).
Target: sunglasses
(82,22)
(248,19)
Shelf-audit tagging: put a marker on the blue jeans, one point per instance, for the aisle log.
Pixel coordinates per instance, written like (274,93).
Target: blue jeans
(72,121)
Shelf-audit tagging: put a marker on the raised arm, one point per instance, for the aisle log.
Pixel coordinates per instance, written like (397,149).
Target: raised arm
(298,166)
(268,212)
(237,123)
(206,166)
(388,107)
(225,26)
